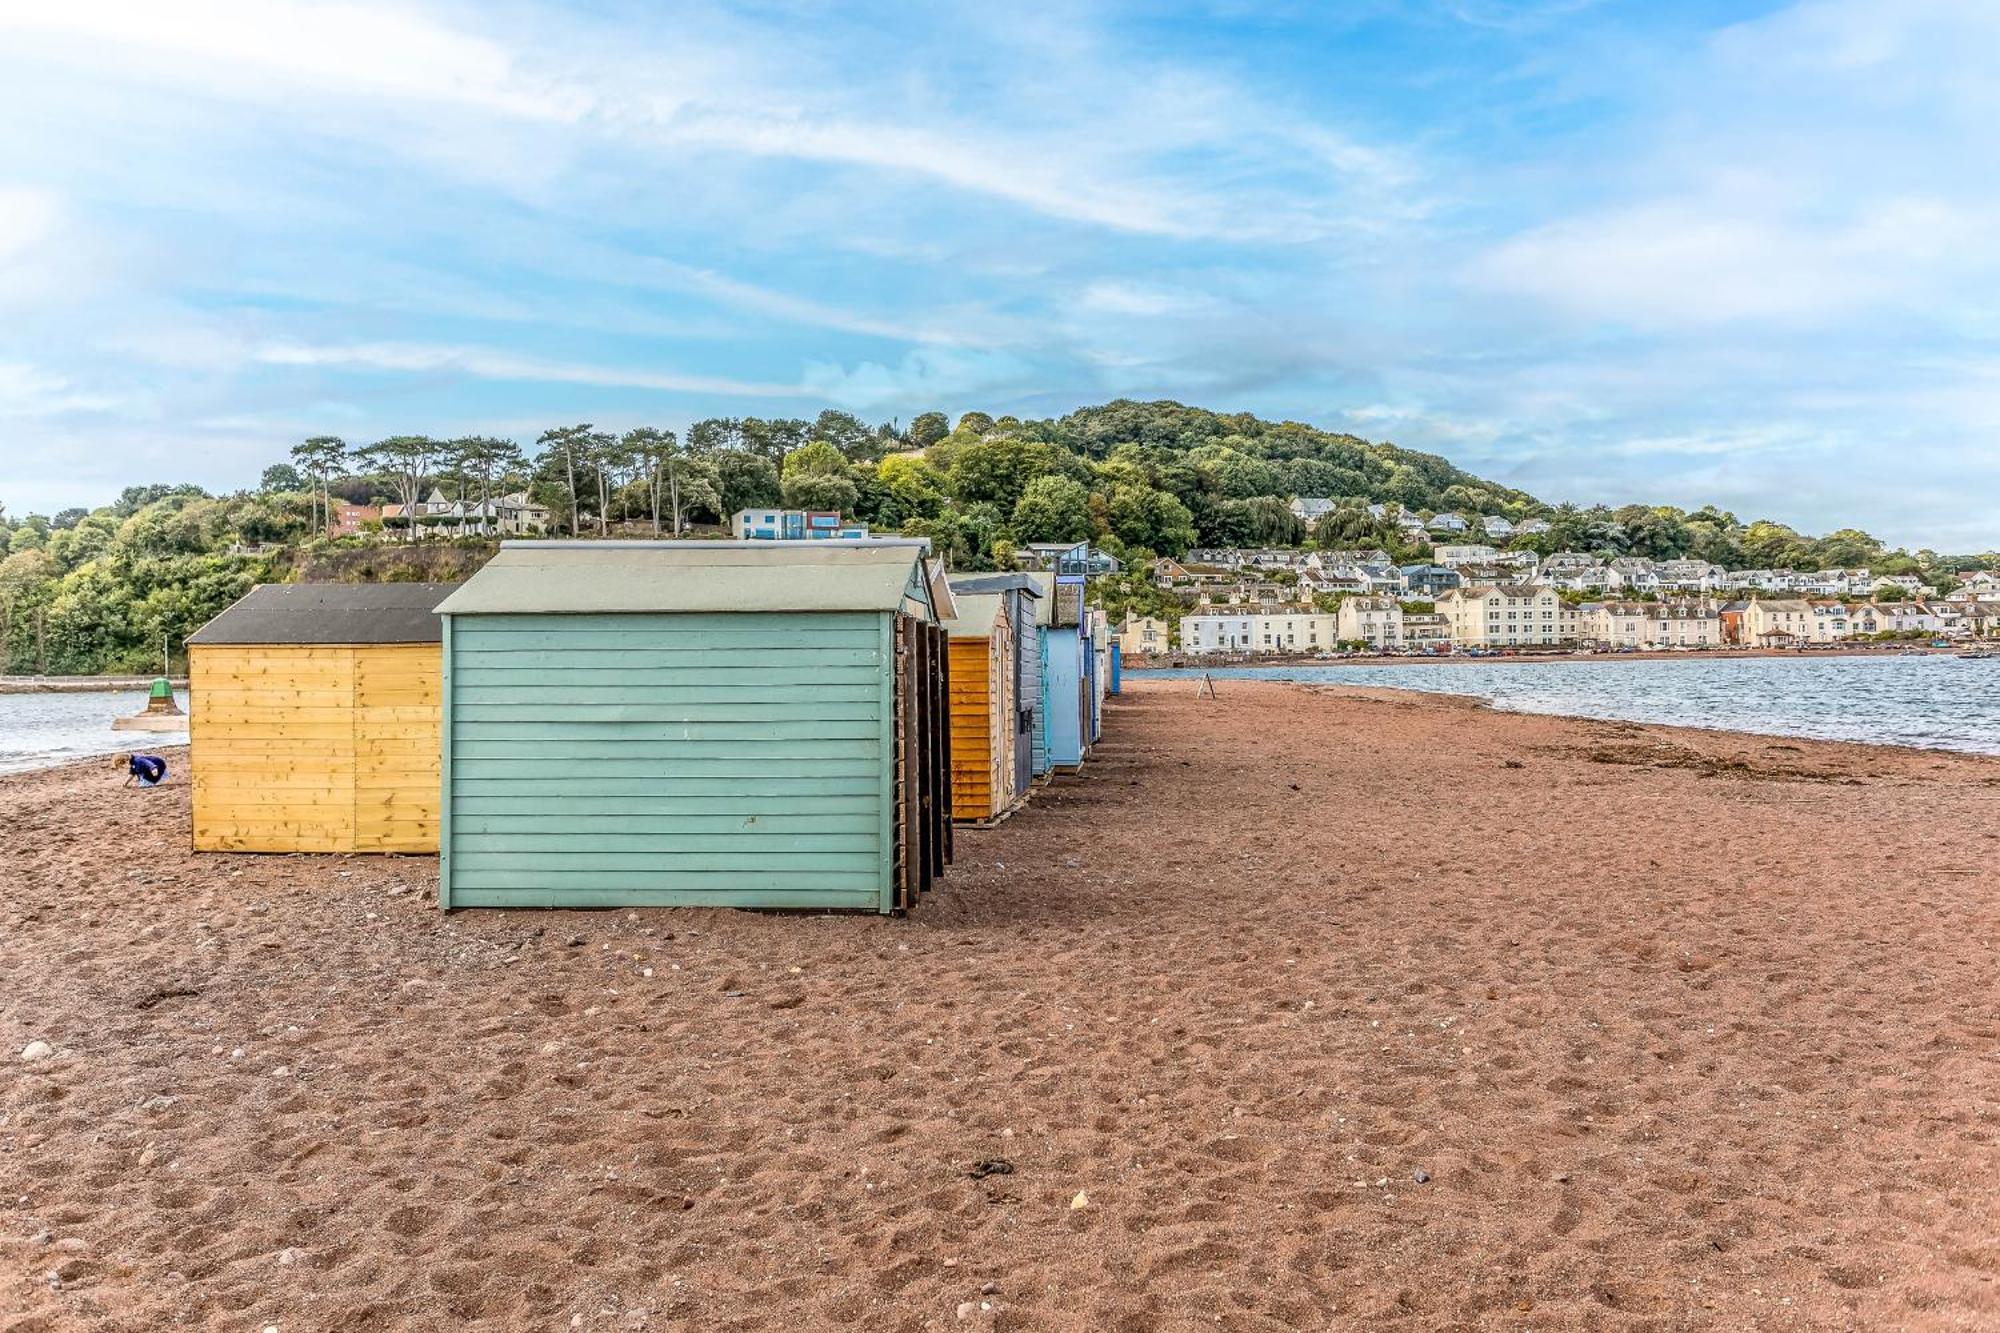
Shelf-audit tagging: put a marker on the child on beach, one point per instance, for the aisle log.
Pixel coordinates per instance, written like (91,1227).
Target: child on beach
(148,770)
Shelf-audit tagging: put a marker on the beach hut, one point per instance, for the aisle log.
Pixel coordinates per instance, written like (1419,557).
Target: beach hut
(740,724)
(1066,699)
(991,725)
(1023,596)
(313,720)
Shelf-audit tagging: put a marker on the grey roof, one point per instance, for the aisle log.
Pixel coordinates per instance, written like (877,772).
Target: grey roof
(572,577)
(995,583)
(281,613)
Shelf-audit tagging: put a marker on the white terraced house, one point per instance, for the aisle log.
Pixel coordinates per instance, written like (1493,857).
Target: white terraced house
(1258,632)
(1507,615)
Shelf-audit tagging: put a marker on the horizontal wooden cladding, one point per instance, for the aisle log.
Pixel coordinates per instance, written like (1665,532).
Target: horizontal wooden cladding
(733,793)
(749,712)
(609,760)
(714,731)
(776,627)
(670,813)
(669,698)
(854,897)
(823,819)
(733,874)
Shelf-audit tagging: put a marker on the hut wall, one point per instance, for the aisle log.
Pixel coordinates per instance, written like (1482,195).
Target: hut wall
(1063,699)
(1022,693)
(1028,644)
(977,755)
(323,748)
(670,759)
(398,698)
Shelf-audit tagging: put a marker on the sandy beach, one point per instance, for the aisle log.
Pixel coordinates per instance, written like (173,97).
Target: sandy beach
(1296,1009)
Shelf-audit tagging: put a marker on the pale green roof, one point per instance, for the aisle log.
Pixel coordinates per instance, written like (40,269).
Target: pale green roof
(596,578)
(977,614)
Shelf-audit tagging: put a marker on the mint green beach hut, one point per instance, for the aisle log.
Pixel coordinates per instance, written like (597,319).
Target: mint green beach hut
(732,724)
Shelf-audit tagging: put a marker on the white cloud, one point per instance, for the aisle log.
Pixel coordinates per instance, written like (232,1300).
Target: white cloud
(391,52)
(1115,297)
(1720,259)
(925,377)
(496,364)
(27,391)
(28,216)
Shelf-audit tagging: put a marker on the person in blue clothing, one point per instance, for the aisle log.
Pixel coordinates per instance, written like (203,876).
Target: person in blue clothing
(148,770)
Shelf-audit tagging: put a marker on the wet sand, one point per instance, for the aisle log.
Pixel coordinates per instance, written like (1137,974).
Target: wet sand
(1331,1009)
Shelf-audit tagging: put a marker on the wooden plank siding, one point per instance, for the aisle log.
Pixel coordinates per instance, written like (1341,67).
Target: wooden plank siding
(670,760)
(974,755)
(326,748)
(983,722)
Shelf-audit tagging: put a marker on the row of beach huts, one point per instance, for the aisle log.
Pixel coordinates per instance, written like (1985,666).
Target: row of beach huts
(596,724)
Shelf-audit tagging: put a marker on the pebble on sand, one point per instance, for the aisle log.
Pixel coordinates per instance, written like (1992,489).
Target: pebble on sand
(1080,1202)
(36,1050)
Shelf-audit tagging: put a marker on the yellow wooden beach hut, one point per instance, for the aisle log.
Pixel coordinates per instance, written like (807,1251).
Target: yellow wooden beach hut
(983,706)
(314,720)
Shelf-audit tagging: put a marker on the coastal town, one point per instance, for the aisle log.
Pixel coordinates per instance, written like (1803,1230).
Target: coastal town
(1469,597)
(1476,597)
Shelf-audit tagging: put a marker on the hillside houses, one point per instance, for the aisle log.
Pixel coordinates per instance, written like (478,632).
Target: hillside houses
(514,515)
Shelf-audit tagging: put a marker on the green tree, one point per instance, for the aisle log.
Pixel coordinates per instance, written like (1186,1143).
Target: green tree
(318,459)
(1053,509)
(927,428)
(564,449)
(406,460)
(745,481)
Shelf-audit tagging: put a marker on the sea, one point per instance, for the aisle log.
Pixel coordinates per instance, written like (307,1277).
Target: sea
(42,730)
(1937,701)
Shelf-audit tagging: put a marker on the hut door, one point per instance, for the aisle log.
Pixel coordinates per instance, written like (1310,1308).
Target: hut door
(1024,693)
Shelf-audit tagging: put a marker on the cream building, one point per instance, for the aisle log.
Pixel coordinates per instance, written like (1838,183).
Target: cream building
(1781,622)
(1653,624)
(1144,634)
(1375,621)
(1507,615)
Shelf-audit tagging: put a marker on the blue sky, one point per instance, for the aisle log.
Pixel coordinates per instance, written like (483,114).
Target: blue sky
(1741,253)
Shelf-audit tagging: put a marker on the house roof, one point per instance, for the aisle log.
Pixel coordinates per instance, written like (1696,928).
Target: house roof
(296,613)
(963,583)
(635,577)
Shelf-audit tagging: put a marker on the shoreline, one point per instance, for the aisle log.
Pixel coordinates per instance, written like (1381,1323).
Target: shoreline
(84,684)
(1194,663)
(1400,693)
(1567,707)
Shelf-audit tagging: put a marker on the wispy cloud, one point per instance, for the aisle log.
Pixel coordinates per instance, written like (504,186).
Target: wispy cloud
(494,364)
